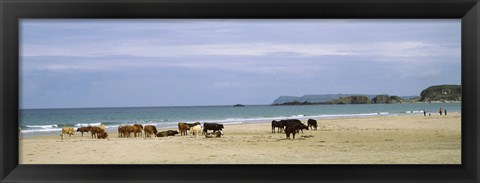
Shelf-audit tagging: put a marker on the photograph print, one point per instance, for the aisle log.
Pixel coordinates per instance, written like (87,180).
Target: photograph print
(240,91)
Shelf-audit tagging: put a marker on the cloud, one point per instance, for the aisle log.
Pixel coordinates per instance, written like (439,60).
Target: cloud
(157,49)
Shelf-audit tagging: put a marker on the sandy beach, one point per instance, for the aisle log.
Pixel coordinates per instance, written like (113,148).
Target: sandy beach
(408,139)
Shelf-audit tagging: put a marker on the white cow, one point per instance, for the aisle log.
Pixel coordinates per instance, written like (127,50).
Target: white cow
(195,130)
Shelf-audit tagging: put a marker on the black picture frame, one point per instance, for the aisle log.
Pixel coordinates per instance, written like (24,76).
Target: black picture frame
(13,10)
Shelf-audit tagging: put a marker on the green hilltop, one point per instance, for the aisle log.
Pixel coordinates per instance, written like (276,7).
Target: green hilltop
(438,93)
(441,93)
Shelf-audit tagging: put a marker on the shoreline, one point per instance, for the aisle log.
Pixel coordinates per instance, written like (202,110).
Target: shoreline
(113,128)
(406,139)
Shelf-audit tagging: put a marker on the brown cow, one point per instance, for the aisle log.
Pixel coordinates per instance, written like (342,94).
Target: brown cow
(182,128)
(138,130)
(127,130)
(135,129)
(95,130)
(102,135)
(150,130)
(122,131)
(84,129)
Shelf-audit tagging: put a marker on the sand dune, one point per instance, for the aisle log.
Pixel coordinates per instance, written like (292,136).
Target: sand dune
(370,140)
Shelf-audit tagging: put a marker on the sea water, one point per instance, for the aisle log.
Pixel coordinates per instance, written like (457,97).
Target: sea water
(46,121)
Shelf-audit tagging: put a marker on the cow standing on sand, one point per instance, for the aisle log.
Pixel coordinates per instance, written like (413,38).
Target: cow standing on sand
(138,130)
(278,124)
(184,127)
(212,126)
(150,131)
(128,129)
(67,130)
(122,130)
(95,130)
(195,130)
(84,129)
(293,126)
(312,124)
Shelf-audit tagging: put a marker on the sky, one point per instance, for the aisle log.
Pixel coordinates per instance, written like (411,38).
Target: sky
(66,63)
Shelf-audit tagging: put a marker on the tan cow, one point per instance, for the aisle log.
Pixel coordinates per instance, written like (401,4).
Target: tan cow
(67,130)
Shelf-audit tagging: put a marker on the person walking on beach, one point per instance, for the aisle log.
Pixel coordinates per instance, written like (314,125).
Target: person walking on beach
(440,111)
(424,112)
(445,111)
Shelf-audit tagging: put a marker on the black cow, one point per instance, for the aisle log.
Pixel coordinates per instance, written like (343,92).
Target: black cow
(278,124)
(167,133)
(292,126)
(298,122)
(312,124)
(211,126)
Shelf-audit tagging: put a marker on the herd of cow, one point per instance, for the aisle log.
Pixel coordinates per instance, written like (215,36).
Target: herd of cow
(289,126)
(148,130)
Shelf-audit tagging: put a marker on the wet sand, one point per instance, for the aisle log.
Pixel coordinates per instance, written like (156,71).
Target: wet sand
(410,139)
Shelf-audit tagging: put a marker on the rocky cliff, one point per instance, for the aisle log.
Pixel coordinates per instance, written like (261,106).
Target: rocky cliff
(351,100)
(386,99)
(312,99)
(441,93)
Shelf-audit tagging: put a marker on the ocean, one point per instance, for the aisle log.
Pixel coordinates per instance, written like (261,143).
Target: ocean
(50,121)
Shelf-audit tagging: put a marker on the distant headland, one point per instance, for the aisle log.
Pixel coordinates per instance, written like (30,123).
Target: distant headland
(432,94)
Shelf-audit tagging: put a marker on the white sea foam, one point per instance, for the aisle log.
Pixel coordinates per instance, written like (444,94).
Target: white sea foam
(408,112)
(41,126)
(327,116)
(87,124)
(227,121)
(41,130)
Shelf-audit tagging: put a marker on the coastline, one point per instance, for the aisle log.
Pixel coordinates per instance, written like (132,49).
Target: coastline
(403,139)
(34,122)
